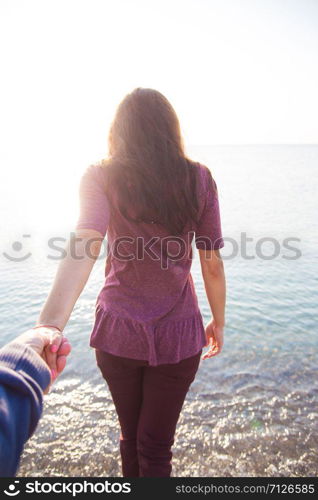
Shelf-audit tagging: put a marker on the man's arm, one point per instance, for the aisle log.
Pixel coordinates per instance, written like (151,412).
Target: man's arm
(23,378)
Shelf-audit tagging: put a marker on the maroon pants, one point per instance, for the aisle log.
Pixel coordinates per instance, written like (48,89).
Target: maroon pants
(148,401)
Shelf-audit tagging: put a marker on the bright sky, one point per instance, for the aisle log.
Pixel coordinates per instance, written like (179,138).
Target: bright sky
(236,71)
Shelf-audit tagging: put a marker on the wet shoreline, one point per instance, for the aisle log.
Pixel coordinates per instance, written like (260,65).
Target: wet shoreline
(256,432)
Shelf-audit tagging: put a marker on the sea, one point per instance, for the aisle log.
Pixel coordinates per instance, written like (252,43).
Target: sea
(253,409)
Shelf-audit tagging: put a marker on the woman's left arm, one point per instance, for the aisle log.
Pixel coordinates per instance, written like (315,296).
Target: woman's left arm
(80,256)
(71,277)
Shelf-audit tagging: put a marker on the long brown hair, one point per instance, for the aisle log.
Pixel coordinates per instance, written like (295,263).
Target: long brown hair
(148,176)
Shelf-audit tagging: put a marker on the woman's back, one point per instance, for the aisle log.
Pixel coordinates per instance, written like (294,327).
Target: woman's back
(153,202)
(148,281)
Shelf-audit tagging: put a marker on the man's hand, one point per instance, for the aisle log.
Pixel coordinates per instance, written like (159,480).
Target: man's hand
(50,344)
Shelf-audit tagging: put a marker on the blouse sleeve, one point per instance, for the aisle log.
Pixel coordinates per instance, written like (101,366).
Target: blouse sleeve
(94,207)
(208,235)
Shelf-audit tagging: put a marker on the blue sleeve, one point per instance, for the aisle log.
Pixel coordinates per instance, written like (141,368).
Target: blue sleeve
(23,377)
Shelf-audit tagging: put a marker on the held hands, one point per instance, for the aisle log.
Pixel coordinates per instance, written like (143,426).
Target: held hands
(50,344)
(214,339)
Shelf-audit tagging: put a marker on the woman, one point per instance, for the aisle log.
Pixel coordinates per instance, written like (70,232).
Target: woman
(153,202)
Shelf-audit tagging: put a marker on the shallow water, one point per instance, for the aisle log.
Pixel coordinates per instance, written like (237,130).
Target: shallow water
(251,411)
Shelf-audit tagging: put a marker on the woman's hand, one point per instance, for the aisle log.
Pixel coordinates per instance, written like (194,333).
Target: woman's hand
(50,345)
(214,339)
(51,350)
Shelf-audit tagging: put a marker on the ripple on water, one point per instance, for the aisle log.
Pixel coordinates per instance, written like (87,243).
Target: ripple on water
(256,431)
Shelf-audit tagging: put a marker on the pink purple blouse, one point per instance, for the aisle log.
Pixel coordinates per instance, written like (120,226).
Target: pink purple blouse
(148,308)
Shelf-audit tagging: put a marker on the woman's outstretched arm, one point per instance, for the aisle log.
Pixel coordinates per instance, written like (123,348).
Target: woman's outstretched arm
(73,272)
(81,253)
(215,287)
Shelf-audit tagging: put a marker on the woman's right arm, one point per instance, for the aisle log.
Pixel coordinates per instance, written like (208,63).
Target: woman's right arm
(214,281)
(209,241)
(215,287)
